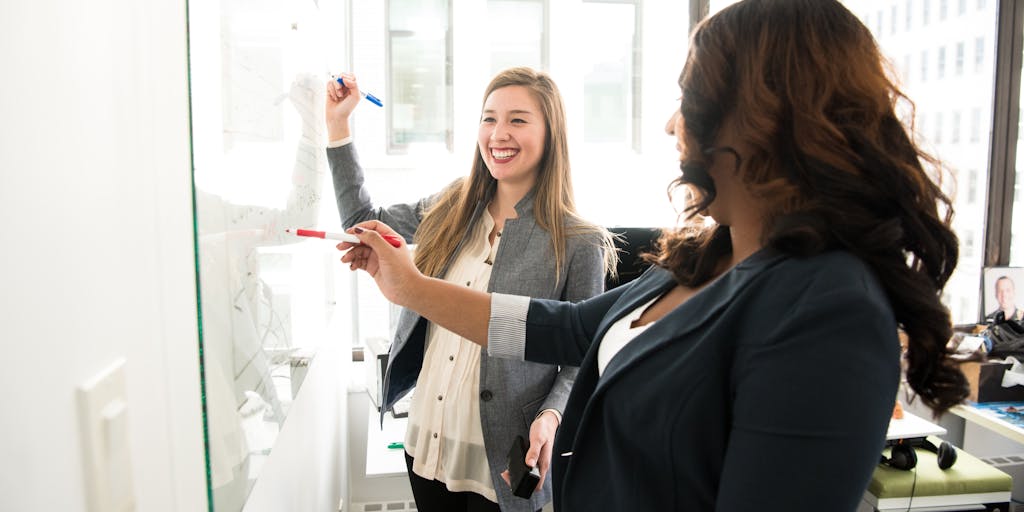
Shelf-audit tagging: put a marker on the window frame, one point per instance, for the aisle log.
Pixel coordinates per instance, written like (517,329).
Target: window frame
(1005,117)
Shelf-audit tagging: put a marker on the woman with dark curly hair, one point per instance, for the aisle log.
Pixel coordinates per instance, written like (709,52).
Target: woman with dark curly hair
(755,366)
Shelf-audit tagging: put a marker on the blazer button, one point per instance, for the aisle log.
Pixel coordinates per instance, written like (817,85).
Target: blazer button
(486,395)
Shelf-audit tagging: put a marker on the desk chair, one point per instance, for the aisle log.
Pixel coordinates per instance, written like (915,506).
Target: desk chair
(631,242)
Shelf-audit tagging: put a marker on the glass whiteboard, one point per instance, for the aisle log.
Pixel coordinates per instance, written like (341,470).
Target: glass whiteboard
(257,75)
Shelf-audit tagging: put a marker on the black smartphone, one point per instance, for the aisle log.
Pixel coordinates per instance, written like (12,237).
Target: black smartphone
(523,478)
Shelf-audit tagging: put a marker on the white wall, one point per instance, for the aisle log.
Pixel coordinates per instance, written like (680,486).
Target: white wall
(98,262)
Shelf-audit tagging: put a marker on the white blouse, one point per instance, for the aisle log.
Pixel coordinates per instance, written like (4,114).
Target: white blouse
(620,334)
(444,434)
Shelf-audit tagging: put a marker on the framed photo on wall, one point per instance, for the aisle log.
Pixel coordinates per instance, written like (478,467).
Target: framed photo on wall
(1000,286)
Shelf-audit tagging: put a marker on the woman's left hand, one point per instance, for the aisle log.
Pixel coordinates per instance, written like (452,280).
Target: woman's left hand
(542,439)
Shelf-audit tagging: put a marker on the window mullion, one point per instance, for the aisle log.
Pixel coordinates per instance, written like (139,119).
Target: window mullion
(1005,118)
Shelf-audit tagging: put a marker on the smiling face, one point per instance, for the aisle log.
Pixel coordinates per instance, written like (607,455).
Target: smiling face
(512,135)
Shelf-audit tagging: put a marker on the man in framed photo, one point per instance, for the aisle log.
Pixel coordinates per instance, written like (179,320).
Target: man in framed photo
(1006,296)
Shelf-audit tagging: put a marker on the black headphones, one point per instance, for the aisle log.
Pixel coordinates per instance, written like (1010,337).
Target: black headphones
(904,457)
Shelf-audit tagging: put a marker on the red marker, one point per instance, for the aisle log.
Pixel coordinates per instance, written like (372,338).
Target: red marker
(344,237)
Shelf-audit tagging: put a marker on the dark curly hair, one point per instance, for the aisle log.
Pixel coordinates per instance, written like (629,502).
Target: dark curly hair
(805,83)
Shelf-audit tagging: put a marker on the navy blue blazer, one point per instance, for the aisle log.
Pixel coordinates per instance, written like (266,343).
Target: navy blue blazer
(770,389)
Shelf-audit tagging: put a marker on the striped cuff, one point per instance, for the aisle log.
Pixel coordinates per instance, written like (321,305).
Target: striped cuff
(506,331)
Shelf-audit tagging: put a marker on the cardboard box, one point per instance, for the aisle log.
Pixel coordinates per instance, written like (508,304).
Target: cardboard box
(986,381)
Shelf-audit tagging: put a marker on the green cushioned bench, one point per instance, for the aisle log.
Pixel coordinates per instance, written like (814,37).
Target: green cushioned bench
(970,482)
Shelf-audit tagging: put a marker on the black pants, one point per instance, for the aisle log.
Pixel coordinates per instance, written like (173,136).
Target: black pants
(433,496)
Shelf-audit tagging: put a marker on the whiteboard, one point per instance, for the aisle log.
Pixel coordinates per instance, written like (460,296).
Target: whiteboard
(257,75)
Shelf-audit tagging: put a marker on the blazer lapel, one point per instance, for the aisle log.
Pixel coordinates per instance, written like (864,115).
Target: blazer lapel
(686,318)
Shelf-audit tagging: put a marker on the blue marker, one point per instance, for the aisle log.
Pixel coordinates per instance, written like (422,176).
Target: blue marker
(373,99)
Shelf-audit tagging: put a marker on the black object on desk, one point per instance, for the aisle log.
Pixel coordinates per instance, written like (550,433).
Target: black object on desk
(523,478)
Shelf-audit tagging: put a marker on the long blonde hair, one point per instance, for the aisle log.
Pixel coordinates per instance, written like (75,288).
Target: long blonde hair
(445,223)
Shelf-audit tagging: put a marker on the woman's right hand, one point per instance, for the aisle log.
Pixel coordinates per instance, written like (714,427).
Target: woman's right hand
(392,268)
(341,101)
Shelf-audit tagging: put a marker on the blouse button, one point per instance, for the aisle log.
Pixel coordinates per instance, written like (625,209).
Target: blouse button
(435,435)
(438,398)
(486,395)
(451,358)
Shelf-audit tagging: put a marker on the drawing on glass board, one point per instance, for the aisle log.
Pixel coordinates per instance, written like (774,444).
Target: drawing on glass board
(256,82)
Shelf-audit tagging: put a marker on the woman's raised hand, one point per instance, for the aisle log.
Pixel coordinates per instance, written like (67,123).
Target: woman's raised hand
(341,101)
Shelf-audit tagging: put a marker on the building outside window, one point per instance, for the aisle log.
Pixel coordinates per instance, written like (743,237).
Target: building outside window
(940,65)
(955,137)
(979,54)
(959,59)
(924,65)
(953,93)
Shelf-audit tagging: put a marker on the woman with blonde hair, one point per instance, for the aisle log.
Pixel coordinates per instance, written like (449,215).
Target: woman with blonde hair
(511,226)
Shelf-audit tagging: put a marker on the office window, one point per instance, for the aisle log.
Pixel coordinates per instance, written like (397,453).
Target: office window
(517,32)
(906,68)
(943,106)
(717,5)
(611,78)
(878,30)
(910,14)
(962,8)
(893,21)
(959,59)
(419,93)
(979,54)
(940,66)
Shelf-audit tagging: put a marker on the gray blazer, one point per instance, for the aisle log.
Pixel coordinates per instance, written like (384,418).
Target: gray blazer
(511,392)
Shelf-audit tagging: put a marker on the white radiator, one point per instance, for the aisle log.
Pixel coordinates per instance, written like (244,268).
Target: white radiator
(387,506)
